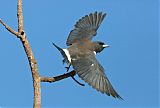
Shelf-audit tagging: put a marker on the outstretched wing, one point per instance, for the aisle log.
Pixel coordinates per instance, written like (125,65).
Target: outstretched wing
(86,27)
(89,70)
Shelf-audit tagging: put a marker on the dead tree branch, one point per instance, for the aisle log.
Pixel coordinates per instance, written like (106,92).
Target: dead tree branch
(32,61)
(9,28)
(20,16)
(57,78)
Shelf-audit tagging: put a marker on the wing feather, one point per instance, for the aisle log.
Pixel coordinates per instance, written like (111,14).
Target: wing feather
(86,27)
(90,70)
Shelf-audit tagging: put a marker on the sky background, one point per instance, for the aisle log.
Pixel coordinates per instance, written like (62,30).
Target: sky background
(131,61)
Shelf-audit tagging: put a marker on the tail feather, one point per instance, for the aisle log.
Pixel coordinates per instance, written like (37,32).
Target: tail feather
(62,53)
(60,49)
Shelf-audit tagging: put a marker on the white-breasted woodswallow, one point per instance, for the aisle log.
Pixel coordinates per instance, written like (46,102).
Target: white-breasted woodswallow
(82,51)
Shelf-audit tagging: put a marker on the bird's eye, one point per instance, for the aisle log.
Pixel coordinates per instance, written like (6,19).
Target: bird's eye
(101,43)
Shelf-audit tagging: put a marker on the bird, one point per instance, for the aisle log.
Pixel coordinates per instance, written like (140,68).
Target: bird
(81,53)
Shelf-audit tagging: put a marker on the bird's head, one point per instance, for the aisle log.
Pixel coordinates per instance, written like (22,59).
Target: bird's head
(98,46)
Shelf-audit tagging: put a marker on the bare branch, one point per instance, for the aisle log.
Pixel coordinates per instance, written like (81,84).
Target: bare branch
(34,71)
(20,16)
(30,56)
(9,28)
(32,61)
(57,78)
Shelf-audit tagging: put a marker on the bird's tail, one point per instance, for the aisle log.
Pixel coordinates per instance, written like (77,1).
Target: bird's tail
(62,53)
(66,61)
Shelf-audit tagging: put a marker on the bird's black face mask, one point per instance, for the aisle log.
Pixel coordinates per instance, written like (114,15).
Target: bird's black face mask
(99,46)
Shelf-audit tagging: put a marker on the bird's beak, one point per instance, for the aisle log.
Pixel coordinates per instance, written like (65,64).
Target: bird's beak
(105,46)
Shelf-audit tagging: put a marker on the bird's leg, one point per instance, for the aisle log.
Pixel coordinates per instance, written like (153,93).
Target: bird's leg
(77,81)
(68,67)
(63,61)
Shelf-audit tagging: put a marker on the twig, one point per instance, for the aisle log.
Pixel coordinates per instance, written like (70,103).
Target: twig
(57,78)
(60,77)
(9,28)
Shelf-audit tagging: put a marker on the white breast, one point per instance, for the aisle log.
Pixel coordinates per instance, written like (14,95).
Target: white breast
(67,54)
(94,52)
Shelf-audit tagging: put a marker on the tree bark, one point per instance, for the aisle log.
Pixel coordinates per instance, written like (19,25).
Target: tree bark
(31,59)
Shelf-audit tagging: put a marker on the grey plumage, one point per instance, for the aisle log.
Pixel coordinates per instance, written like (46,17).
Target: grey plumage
(89,69)
(86,27)
(82,52)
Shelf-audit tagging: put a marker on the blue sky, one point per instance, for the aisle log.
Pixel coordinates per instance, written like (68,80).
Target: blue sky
(131,61)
